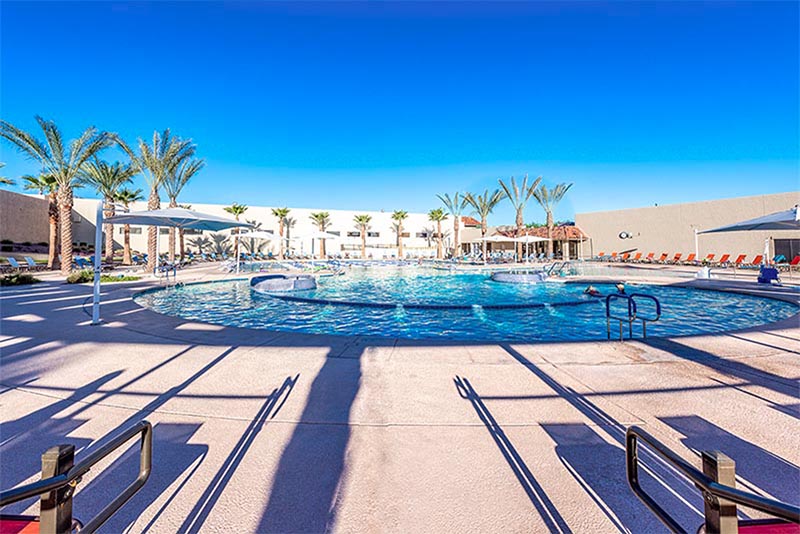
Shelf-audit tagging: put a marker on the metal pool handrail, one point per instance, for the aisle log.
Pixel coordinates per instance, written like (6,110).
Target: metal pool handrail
(704,483)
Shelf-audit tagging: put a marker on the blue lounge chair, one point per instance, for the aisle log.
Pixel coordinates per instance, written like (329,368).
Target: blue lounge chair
(15,264)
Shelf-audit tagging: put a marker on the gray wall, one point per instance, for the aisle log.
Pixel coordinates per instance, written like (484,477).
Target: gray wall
(23,218)
(670,228)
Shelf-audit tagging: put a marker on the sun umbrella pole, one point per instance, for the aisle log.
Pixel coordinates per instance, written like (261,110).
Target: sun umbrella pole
(98,240)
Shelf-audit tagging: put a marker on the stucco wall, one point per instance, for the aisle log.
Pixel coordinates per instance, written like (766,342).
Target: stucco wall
(23,218)
(671,228)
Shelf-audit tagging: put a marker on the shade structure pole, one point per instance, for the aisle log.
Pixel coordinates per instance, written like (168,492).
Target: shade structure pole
(696,247)
(98,246)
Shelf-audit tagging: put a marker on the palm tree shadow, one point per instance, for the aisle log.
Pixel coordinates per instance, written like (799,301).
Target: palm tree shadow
(310,471)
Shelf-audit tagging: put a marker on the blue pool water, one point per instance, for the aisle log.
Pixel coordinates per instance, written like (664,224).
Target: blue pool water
(415,304)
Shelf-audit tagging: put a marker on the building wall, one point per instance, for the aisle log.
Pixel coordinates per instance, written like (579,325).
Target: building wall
(23,218)
(671,228)
(384,244)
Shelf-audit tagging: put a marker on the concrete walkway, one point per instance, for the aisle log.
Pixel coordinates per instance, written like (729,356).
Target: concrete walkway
(274,432)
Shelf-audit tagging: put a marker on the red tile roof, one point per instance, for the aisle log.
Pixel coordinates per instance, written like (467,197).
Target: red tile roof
(564,232)
(470,221)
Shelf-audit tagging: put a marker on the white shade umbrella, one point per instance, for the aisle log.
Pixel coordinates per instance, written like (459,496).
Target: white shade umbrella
(529,239)
(257,234)
(781,220)
(498,238)
(320,235)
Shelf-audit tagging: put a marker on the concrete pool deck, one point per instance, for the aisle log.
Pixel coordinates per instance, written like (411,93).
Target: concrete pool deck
(261,431)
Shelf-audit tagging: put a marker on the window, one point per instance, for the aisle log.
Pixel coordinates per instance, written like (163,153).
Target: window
(192,231)
(353,234)
(405,234)
(163,231)
(422,235)
(334,232)
(373,234)
(134,230)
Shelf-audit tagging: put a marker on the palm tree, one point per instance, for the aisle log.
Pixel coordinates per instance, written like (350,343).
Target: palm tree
(519,197)
(126,197)
(548,199)
(362,222)
(455,206)
(484,205)
(46,185)
(323,220)
(438,215)
(173,183)
(236,210)
(157,161)
(63,163)
(107,179)
(281,214)
(399,216)
(3,179)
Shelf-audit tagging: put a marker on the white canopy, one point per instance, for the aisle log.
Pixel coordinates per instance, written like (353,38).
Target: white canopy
(529,239)
(256,234)
(320,235)
(498,238)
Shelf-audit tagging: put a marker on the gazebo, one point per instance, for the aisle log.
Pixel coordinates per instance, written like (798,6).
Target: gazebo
(567,239)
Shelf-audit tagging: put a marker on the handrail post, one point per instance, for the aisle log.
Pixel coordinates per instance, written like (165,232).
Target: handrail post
(56,506)
(720,513)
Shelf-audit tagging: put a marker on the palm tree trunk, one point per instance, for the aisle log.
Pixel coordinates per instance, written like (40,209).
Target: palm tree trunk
(520,225)
(181,245)
(280,235)
(549,233)
(322,252)
(172,234)
(439,250)
(65,217)
(108,211)
(400,240)
(456,236)
(126,248)
(153,203)
(484,228)
(52,210)
(363,242)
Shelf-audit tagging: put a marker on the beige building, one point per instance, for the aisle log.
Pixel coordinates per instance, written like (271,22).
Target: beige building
(671,229)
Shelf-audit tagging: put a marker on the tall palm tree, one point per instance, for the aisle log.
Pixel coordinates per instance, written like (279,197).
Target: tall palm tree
(548,199)
(236,210)
(323,220)
(281,214)
(46,185)
(362,222)
(174,182)
(157,161)
(484,205)
(519,197)
(126,197)
(63,163)
(3,179)
(399,216)
(107,179)
(438,215)
(455,206)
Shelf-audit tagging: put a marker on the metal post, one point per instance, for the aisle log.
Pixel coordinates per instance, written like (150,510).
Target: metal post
(696,247)
(720,513)
(56,506)
(98,248)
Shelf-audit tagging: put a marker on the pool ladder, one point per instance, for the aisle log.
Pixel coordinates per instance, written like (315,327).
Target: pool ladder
(632,314)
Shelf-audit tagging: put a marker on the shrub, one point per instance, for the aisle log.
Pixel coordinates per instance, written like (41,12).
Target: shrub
(80,277)
(6,248)
(18,279)
(43,244)
(26,243)
(87,275)
(6,242)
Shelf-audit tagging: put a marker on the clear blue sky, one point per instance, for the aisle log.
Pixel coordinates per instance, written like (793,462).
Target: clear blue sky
(383,105)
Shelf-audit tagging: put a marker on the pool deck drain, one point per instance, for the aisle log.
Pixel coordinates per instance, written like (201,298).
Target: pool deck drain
(378,435)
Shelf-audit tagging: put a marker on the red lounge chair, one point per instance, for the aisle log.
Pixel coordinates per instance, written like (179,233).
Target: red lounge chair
(676,259)
(613,257)
(690,258)
(663,258)
(724,259)
(650,257)
(795,261)
(739,259)
(757,260)
(638,257)
(625,256)
(601,255)
(709,258)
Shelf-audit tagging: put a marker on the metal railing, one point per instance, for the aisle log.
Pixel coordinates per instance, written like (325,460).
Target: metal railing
(68,480)
(713,491)
(632,313)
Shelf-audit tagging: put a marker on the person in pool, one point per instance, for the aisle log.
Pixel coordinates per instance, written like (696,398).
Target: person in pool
(592,292)
(620,288)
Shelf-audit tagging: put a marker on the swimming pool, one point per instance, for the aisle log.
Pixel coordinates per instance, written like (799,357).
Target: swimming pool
(414,303)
